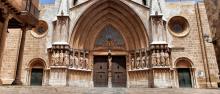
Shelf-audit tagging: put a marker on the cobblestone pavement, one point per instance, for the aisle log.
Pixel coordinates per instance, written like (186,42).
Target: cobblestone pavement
(73,90)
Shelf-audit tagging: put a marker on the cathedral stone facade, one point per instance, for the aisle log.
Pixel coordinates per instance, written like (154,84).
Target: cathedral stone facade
(114,43)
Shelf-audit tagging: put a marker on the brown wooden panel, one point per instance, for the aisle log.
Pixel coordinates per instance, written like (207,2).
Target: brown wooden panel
(100,71)
(119,77)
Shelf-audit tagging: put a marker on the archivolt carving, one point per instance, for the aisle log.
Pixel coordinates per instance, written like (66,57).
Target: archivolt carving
(38,62)
(109,12)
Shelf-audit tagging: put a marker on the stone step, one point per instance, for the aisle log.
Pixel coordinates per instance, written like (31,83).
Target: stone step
(74,90)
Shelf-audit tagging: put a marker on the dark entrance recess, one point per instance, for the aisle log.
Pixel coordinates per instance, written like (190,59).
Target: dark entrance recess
(119,78)
(1,15)
(184,77)
(14,23)
(36,77)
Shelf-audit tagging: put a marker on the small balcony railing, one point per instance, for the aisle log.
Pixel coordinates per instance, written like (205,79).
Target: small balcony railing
(26,10)
(31,8)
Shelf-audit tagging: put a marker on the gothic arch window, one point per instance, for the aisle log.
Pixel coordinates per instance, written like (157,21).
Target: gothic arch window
(109,37)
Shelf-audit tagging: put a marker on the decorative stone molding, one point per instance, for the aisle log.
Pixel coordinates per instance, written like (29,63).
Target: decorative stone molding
(158,28)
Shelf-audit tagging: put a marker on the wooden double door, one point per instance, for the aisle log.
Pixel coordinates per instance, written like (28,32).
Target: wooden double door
(117,73)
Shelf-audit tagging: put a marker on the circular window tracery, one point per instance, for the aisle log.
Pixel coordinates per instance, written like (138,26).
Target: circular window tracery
(178,26)
(41,29)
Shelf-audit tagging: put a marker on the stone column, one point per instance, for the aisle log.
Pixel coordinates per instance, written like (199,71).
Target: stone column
(110,71)
(17,80)
(3,36)
(129,64)
(175,80)
(84,60)
(140,61)
(135,60)
(27,76)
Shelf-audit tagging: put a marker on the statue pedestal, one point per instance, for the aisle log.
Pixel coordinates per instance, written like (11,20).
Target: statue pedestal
(59,64)
(58,76)
(161,73)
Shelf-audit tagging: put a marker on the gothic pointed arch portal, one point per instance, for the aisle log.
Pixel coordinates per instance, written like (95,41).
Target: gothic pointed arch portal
(114,13)
(109,24)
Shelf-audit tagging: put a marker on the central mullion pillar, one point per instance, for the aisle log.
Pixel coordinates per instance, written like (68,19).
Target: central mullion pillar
(109,72)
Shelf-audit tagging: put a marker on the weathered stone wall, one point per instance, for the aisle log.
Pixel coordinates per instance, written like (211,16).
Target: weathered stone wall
(209,48)
(213,12)
(33,48)
(80,79)
(190,46)
(212,7)
(138,79)
(10,56)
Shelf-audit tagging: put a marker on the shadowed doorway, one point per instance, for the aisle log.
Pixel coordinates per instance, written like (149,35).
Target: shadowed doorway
(185,73)
(36,77)
(184,77)
(36,72)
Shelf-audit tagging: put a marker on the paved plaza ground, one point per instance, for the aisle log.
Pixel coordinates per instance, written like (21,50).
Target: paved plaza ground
(73,90)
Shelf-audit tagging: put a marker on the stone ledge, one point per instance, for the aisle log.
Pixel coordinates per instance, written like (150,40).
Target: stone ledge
(73,90)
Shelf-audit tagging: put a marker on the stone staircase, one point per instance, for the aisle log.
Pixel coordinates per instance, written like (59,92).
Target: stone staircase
(74,90)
